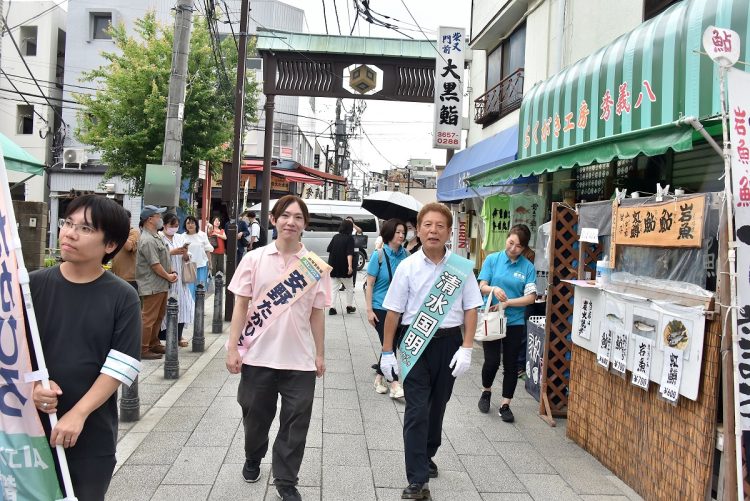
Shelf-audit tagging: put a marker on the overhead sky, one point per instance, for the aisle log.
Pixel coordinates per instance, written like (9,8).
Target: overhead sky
(399,131)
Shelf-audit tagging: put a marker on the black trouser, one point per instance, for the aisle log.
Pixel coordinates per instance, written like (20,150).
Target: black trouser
(509,346)
(427,389)
(90,476)
(379,327)
(257,395)
(180,328)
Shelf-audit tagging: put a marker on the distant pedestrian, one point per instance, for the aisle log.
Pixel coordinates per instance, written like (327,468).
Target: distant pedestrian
(255,231)
(217,236)
(90,328)
(380,270)
(243,236)
(177,246)
(123,263)
(153,273)
(511,279)
(356,230)
(413,244)
(199,250)
(285,351)
(433,293)
(340,258)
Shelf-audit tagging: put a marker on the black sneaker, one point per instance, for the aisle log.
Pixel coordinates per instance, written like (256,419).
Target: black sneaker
(351,309)
(331,311)
(251,471)
(288,493)
(416,491)
(505,413)
(484,402)
(433,469)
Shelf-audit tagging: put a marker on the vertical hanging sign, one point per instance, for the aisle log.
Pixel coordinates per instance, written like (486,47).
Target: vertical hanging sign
(449,70)
(739,130)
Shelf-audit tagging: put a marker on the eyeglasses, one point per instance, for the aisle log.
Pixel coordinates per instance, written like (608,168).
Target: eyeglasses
(83,229)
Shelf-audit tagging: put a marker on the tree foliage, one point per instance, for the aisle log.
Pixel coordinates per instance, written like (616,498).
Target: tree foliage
(125,119)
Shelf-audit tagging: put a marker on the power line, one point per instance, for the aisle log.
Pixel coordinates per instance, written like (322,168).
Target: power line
(336,10)
(25,100)
(325,18)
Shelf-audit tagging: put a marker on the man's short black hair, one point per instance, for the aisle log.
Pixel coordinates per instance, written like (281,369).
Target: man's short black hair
(107,216)
(251,214)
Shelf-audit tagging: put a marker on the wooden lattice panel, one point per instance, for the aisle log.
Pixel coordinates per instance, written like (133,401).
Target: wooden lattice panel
(590,254)
(563,266)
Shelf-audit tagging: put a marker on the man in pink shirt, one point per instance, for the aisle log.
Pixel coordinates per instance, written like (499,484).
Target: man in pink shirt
(284,356)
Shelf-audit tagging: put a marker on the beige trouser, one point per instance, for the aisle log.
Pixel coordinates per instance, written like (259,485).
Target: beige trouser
(152,313)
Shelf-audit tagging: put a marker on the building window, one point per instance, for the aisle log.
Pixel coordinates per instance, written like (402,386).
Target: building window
(25,120)
(28,40)
(504,79)
(100,23)
(652,8)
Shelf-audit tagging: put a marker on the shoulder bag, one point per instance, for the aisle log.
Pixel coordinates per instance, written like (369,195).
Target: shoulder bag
(189,272)
(491,325)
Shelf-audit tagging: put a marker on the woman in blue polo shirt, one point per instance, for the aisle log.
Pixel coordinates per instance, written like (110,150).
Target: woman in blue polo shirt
(380,271)
(511,279)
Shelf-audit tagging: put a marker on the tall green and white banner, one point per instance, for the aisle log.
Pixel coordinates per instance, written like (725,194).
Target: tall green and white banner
(27,470)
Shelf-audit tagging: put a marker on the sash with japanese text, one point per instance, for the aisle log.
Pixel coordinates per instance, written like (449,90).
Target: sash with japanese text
(435,307)
(298,279)
(27,470)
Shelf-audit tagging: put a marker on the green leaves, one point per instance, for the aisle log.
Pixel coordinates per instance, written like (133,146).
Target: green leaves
(125,119)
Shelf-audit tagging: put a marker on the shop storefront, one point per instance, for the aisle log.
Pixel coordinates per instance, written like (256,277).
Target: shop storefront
(634,362)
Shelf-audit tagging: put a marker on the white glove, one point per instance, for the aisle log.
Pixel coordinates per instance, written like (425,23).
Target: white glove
(389,366)
(461,361)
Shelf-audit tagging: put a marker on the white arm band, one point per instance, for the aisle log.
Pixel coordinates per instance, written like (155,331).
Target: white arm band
(122,367)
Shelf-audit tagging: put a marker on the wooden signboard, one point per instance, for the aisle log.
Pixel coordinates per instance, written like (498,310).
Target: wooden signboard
(674,223)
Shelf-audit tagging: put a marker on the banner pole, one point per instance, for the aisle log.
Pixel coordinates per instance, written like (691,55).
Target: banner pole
(23,280)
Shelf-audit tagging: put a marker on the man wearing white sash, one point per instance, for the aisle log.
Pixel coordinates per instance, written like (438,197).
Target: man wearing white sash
(276,342)
(436,292)
(90,329)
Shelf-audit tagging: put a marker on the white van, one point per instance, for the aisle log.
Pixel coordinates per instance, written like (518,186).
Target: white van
(325,218)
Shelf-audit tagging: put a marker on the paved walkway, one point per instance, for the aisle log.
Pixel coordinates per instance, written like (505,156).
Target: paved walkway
(188,444)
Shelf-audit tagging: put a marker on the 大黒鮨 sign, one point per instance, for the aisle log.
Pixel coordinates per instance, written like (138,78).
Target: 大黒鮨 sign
(675,223)
(449,70)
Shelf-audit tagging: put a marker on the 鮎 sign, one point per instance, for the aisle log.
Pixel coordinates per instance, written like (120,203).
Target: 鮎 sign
(676,223)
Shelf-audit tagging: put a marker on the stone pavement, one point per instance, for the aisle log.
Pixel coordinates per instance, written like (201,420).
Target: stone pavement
(188,444)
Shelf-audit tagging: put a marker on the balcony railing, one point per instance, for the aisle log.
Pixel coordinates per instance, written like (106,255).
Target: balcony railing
(500,99)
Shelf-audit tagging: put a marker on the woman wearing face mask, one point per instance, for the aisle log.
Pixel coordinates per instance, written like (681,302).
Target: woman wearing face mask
(175,243)
(200,251)
(413,244)
(511,279)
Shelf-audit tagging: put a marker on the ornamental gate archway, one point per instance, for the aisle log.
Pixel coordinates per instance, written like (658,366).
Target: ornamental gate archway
(307,65)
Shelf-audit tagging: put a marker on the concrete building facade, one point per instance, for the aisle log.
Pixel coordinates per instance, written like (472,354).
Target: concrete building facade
(28,119)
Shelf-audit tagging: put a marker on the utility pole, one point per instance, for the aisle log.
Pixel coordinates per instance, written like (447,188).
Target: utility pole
(232,179)
(337,158)
(183,21)
(325,183)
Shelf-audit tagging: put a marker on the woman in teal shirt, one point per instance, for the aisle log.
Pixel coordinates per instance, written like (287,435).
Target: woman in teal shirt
(511,279)
(380,272)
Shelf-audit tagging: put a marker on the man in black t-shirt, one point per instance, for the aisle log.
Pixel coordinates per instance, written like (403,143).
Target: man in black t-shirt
(90,330)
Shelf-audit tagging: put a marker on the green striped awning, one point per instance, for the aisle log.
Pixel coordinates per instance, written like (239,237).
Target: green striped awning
(18,159)
(628,97)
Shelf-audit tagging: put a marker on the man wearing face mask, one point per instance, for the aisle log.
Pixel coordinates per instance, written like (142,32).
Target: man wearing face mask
(153,274)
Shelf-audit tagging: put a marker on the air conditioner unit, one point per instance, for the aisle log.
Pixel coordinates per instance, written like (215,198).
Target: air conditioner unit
(74,158)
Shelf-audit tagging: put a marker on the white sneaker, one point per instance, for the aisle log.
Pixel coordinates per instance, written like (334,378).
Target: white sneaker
(380,386)
(397,391)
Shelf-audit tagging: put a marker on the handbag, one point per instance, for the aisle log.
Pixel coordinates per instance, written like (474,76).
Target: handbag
(360,241)
(491,325)
(189,272)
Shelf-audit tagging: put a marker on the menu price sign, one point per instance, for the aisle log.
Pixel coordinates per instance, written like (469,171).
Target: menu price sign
(642,366)
(603,354)
(620,350)
(671,374)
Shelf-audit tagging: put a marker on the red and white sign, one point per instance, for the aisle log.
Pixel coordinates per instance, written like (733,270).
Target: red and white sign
(722,45)
(449,94)
(285,152)
(739,130)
